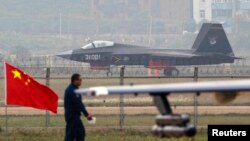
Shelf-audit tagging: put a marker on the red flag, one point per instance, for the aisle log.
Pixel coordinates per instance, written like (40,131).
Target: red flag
(23,90)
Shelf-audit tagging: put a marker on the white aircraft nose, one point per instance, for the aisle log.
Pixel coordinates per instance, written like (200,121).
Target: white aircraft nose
(65,54)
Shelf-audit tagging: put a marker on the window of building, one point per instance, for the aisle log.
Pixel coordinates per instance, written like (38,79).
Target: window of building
(222,1)
(220,13)
(202,14)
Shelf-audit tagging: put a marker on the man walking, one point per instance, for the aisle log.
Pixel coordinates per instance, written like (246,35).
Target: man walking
(73,107)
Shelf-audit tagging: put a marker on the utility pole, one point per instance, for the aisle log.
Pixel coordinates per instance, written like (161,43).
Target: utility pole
(150,30)
(235,15)
(47,115)
(196,98)
(60,26)
(121,104)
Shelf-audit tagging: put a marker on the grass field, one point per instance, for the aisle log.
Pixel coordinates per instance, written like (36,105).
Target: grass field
(112,121)
(96,135)
(137,128)
(32,130)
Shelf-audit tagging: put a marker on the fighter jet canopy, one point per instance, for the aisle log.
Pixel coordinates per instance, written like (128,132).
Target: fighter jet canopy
(98,44)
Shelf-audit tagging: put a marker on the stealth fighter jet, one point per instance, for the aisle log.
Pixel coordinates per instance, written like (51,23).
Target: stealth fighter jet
(210,47)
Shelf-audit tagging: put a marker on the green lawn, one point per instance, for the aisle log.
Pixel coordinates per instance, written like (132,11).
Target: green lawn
(96,135)
(137,128)
(111,121)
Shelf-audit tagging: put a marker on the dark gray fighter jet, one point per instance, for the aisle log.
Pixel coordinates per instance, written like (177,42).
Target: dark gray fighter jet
(210,47)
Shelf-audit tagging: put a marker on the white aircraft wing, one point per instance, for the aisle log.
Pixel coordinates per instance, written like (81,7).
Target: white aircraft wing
(213,86)
(167,123)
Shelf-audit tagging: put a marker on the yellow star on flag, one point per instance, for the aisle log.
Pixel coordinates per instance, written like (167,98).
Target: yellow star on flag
(27,82)
(17,74)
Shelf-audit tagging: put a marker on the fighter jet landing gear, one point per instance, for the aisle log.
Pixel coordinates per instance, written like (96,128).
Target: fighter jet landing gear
(109,74)
(171,72)
(169,124)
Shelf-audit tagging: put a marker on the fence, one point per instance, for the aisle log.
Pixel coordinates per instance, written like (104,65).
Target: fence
(129,111)
(59,67)
(136,71)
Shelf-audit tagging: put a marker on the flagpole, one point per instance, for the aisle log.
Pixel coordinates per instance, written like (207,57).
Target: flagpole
(47,122)
(6,118)
(6,106)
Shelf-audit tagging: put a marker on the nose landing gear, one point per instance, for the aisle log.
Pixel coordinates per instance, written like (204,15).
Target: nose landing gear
(109,73)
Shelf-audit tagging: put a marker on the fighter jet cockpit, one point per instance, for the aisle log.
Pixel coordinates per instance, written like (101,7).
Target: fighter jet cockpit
(98,44)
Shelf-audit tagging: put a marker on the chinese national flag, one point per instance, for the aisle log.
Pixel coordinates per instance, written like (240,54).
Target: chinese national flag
(23,90)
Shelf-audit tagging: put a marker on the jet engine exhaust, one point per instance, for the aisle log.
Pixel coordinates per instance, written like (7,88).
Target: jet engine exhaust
(225,97)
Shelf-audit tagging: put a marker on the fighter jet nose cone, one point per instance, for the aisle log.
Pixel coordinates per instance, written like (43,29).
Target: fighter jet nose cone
(65,54)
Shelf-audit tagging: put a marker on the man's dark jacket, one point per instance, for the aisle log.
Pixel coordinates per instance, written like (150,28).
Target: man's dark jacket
(73,103)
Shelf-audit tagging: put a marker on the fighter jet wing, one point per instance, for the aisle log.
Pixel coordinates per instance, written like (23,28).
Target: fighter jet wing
(214,86)
(169,124)
(174,54)
(160,54)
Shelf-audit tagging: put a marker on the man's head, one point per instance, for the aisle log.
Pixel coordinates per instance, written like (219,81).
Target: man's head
(76,79)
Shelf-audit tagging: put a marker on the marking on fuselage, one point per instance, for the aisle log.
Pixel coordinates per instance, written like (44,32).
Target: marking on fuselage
(213,41)
(117,59)
(92,57)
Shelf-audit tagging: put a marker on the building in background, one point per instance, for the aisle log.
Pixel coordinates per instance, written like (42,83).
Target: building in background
(243,10)
(202,10)
(229,12)
(224,11)
(214,10)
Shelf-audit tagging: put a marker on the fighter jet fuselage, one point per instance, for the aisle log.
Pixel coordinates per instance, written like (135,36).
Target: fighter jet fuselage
(211,47)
